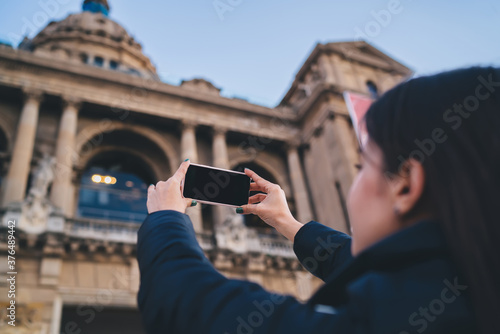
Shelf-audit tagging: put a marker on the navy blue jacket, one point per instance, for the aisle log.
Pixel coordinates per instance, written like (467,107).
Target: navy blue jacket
(404,284)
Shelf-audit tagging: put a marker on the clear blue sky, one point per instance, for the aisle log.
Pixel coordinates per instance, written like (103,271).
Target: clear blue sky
(253,48)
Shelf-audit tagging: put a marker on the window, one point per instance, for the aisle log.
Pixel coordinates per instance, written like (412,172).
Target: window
(110,320)
(84,58)
(372,88)
(114,187)
(113,64)
(99,61)
(133,71)
(109,195)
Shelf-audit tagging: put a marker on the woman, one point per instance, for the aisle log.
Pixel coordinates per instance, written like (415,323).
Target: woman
(424,253)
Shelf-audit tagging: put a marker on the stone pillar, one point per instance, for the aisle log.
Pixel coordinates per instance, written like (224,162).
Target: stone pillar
(326,67)
(189,151)
(17,177)
(221,160)
(55,324)
(304,286)
(63,190)
(304,213)
(219,147)
(347,141)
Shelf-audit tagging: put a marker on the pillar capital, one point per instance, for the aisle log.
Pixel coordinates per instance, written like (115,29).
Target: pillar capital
(30,93)
(71,101)
(292,145)
(219,130)
(188,124)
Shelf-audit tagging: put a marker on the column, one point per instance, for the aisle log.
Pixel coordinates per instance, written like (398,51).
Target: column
(17,177)
(221,160)
(326,67)
(304,213)
(55,323)
(189,151)
(63,190)
(304,288)
(345,135)
(219,147)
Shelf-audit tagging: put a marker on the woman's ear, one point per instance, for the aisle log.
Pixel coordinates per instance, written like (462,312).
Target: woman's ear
(408,187)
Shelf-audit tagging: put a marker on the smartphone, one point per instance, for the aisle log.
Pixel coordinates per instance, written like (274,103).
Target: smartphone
(217,186)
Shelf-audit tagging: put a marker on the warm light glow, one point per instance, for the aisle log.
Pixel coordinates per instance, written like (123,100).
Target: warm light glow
(129,184)
(96,178)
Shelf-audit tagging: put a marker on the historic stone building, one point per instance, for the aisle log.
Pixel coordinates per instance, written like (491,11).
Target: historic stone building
(86,125)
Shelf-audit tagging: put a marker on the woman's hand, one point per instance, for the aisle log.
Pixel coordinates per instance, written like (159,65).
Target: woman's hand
(272,206)
(166,195)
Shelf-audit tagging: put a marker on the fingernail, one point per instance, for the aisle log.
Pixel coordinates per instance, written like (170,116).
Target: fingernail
(186,160)
(239,210)
(193,203)
(151,185)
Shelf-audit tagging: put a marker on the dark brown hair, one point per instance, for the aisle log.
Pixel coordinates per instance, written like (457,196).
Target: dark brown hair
(450,122)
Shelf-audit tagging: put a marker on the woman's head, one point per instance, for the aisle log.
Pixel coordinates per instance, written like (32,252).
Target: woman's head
(434,151)
(381,203)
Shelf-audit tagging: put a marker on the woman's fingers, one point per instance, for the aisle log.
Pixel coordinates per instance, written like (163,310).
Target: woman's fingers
(255,187)
(190,202)
(248,208)
(256,198)
(261,182)
(181,172)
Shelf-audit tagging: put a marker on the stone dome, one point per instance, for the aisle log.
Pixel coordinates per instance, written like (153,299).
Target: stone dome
(93,38)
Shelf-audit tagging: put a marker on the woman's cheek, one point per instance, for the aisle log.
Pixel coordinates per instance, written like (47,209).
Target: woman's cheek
(354,201)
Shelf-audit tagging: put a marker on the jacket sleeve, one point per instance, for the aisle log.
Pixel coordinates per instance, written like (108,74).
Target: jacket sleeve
(322,250)
(181,292)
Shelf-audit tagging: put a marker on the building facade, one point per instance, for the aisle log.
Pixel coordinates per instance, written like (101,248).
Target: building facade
(86,125)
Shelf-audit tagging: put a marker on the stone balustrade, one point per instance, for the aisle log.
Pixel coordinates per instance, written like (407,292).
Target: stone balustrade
(118,232)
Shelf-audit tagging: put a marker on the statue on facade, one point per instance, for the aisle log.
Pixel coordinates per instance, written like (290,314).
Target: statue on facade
(234,235)
(37,206)
(43,176)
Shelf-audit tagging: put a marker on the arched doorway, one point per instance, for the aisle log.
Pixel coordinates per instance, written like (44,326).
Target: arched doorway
(114,187)
(114,171)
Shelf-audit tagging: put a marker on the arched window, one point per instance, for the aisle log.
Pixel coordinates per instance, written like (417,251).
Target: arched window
(372,88)
(114,187)
(99,61)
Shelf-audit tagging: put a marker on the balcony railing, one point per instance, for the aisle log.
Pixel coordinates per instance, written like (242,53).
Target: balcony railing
(102,230)
(113,231)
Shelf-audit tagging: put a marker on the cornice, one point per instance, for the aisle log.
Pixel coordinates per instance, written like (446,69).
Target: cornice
(32,63)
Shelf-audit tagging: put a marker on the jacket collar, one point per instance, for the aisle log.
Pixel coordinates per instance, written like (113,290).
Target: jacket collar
(417,243)
(424,236)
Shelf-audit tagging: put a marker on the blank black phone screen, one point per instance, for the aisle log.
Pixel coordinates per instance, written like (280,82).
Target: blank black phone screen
(214,185)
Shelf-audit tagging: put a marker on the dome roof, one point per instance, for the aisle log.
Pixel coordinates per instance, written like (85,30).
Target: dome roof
(96,6)
(91,37)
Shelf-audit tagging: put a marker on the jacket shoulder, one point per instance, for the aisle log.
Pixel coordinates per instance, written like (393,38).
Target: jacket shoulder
(428,297)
